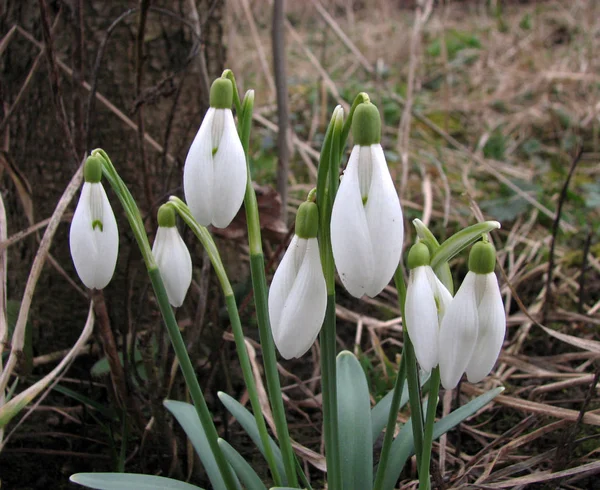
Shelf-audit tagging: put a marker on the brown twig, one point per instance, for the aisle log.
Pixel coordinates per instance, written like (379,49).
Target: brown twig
(78,75)
(23,90)
(61,113)
(283,149)
(555,226)
(139,74)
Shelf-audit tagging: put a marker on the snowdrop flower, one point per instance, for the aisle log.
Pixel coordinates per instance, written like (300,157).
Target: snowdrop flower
(366,220)
(474,325)
(298,294)
(426,302)
(172,256)
(94,237)
(215,174)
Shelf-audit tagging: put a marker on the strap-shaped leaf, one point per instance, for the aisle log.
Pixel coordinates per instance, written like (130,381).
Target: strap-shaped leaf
(247,421)
(186,415)
(380,412)
(403,445)
(129,481)
(461,240)
(354,419)
(243,470)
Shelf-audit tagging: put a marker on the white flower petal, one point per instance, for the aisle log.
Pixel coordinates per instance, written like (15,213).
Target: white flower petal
(304,309)
(458,333)
(174,263)
(230,174)
(198,172)
(441,294)
(492,327)
(384,218)
(350,240)
(94,249)
(422,318)
(283,280)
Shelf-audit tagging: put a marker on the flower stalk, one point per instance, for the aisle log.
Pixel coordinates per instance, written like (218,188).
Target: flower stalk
(137,226)
(259,284)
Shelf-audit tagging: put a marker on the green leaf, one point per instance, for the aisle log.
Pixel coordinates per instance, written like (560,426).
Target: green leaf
(401,450)
(453,419)
(380,412)
(186,415)
(241,467)
(461,240)
(442,270)
(108,412)
(247,421)
(354,419)
(403,445)
(129,481)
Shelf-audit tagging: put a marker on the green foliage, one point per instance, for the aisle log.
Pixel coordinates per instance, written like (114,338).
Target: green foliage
(495,146)
(129,481)
(456,41)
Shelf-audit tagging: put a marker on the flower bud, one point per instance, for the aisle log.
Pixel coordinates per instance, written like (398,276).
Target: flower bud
(366,221)
(93,236)
(215,173)
(172,256)
(298,293)
(426,302)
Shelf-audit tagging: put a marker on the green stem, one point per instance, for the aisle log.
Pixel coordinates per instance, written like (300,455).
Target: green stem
(329,394)
(434,387)
(137,226)
(236,325)
(251,386)
(259,284)
(391,425)
(412,375)
(190,377)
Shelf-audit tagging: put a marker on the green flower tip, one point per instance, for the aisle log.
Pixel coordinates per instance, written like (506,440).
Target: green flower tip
(221,94)
(418,255)
(307,220)
(92,171)
(366,125)
(166,216)
(482,258)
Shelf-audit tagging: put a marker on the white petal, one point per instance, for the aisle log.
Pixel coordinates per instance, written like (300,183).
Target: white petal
(230,174)
(94,250)
(384,218)
(422,318)
(441,294)
(458,333)
(283,280)
(174,263)
(198,172)
(350,238)
(492,327)
(304,309)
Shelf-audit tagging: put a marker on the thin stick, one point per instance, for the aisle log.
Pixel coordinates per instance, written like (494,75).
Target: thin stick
(278,43)
(421,15)
(18,338)
(59,104)
(555,226)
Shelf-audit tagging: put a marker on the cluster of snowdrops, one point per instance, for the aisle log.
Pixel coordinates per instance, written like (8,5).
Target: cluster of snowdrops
(352,224)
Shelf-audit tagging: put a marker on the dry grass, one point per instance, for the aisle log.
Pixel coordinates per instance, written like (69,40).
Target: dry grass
(484,115)
(498,115)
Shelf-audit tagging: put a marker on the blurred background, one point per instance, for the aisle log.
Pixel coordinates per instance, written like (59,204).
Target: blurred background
(490,109)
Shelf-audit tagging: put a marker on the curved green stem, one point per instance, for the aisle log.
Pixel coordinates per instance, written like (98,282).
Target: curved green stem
(392,418)
(236,325)
(412,374)
(137,226)
(259,284)
(434,387)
